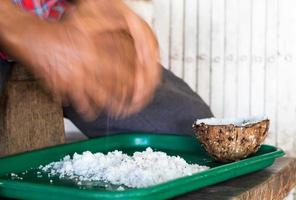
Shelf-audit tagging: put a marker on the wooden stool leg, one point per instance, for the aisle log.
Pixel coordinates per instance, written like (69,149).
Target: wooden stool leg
(29,119)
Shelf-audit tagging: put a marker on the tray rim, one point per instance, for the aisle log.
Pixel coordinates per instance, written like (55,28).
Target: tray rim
(138,192)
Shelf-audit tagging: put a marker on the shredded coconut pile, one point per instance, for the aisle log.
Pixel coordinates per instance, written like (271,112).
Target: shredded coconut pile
(143,169)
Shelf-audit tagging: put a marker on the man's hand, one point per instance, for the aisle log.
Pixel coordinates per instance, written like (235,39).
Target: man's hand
(101,56)
(93,16)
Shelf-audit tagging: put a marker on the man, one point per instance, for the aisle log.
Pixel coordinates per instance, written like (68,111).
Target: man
(100,59)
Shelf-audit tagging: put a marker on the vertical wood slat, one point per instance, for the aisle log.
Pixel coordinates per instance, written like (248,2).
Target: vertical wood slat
(161,25)
(204,49)
(286,101)
(271,45)
(217,57)
(177,37)
(230,73)
(190,42)
(258,57)
(244,58)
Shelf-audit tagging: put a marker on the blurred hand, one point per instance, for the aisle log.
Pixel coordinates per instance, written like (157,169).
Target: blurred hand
(100,56)
(93,17)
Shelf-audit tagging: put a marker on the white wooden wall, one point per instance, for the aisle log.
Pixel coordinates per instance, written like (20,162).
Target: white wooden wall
(239,55)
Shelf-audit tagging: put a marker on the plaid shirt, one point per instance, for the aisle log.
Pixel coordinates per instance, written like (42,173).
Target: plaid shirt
(46,9)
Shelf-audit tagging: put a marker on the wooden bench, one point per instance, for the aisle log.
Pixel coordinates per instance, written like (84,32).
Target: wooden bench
(273,183)
(29,118)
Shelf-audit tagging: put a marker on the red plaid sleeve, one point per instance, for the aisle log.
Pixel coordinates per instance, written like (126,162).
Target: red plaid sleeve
(46,9)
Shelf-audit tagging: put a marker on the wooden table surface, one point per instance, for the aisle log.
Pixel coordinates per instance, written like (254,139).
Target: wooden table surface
(274,183)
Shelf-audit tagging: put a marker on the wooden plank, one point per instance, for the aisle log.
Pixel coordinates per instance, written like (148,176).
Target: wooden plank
(161,24)
(271,68)
(274,183)
(204,49)
(177,37)
(243,56)
(231,45)
(258,57)
(217,58)
(286,100)
(29,118)
(190,43)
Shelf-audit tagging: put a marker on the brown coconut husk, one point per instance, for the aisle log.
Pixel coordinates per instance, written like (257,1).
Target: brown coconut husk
(227,143)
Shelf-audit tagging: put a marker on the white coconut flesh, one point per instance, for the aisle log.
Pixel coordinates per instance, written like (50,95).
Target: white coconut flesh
(236,122)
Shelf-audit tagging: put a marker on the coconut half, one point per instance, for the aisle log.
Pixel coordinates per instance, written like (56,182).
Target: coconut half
(228,140)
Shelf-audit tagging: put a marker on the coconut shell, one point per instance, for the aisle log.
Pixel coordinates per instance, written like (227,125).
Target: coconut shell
(227,143)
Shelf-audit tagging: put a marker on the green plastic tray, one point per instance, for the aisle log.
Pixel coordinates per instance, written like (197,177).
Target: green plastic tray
(32,187)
